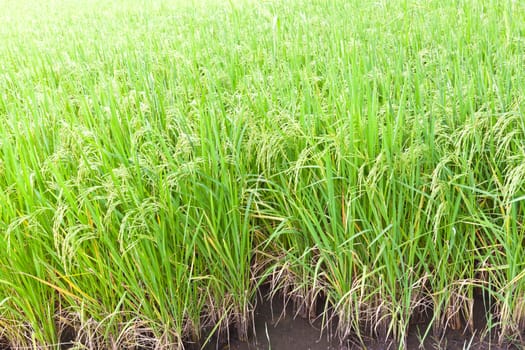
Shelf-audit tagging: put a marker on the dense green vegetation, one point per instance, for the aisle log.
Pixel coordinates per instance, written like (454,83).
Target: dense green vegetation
(160,160)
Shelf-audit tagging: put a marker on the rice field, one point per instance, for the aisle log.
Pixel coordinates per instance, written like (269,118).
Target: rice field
(160,161)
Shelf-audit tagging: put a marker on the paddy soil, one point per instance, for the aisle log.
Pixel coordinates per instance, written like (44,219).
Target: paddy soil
(278,328)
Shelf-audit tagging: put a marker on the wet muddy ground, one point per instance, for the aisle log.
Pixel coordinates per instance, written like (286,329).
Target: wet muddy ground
(276,330)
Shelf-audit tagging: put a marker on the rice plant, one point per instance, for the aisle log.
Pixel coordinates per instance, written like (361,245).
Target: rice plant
(162,160)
